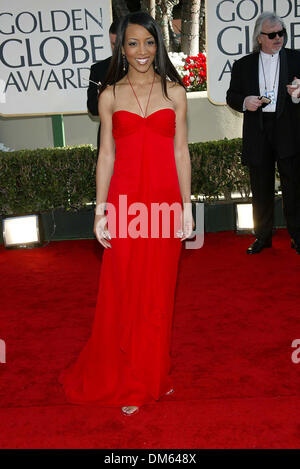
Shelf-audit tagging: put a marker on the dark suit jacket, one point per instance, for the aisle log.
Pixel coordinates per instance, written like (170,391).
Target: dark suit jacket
(245,82)
(97,73)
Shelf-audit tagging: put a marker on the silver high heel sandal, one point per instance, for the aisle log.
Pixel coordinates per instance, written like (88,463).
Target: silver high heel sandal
(130,410)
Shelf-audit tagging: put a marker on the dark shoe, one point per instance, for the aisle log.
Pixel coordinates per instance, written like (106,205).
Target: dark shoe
(258,245)
(295,245)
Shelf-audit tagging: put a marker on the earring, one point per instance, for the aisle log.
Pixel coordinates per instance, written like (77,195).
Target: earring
(155,64)
(124,62)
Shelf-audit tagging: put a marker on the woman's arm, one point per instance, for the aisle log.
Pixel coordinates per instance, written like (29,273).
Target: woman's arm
(106,155)
(181,149)
(182,158)
(105,162)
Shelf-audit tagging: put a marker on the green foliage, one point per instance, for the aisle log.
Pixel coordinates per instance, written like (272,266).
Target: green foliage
(217,169)
(37,181)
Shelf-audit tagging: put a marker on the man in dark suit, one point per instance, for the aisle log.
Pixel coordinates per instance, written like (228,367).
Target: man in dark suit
(97,75)
(271,127)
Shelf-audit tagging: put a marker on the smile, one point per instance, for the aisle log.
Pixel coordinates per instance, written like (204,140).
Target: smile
(142,61)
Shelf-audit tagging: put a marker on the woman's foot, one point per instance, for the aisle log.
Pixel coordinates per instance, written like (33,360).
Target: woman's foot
(130,409)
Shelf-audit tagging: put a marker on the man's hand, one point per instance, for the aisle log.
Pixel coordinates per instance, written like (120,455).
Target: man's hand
(294,89)
(252,103)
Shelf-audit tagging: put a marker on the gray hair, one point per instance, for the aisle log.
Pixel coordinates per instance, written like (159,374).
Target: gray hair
(265,16)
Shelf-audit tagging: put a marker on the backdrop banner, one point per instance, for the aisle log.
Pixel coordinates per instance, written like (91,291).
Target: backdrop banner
(46,50)
(229,29)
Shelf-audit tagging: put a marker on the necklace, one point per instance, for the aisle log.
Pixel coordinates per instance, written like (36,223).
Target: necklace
(143,115)
(263,69)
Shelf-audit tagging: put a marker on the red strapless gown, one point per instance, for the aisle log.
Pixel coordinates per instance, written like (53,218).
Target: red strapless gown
(126,360)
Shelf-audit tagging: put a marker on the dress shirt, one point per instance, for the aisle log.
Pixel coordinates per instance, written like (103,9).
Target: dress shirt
(271,63)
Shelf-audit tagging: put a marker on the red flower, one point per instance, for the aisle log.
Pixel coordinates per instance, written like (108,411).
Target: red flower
(195,67)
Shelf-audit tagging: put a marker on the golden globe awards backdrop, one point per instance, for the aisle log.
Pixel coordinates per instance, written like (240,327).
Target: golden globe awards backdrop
(230,25)
(46,50)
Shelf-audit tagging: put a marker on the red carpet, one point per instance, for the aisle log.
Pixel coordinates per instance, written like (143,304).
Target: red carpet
(235,319)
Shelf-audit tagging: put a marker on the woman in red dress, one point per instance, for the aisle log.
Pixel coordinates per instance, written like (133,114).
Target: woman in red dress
(143,213)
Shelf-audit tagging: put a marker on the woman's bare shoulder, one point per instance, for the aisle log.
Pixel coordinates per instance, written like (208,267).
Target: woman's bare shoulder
(120,84)
(106,99)
(107,93)
(175,88)
(176,92)
(120,88)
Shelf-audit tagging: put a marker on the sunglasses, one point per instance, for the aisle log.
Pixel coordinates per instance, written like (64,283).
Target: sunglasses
(273,35)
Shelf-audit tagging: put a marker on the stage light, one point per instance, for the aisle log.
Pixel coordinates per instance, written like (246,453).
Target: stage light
(22,232)
(244,218)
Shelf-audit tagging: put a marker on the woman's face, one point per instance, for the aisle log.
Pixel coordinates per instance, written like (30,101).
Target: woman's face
(139,47)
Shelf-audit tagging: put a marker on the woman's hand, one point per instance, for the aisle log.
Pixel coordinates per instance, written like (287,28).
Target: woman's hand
(187,222)
(100,230)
